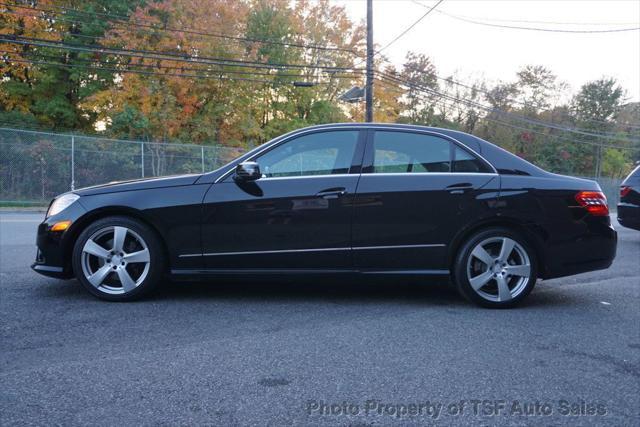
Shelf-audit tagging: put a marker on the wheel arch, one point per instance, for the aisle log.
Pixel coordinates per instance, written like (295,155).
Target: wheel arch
(534,235)
(83,222)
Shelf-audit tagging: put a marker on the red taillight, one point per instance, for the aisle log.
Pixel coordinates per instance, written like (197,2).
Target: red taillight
(594,201)
(624,190)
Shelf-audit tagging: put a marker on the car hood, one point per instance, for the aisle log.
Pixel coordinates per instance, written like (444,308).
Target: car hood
(139,184)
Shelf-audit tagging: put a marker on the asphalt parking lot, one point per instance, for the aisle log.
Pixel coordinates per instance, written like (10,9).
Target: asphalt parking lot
(384,353)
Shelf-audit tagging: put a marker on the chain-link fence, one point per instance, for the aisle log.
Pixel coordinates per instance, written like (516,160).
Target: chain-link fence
(611,189)
(36,166)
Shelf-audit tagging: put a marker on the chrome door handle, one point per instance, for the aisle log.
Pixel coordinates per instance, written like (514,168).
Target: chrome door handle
(332,193)
(459,188)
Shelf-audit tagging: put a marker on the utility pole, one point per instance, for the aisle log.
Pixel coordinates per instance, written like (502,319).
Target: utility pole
(599,162)
(368,92)
(73,162)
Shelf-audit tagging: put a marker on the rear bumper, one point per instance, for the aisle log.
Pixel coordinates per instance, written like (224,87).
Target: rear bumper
(595,249)
(629,215)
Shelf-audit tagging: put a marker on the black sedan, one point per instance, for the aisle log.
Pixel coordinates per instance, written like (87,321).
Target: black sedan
(343,199)
(629,206)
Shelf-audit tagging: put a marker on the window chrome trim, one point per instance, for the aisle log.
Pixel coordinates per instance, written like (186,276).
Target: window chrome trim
(428,173)
(281,251)
(363,127)
(344,175)
(269,178)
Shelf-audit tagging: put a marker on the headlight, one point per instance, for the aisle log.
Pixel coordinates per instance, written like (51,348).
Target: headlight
(61,203)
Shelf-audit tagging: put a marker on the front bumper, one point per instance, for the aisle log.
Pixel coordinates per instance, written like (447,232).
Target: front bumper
(54,248)
(51,259)
(50,271)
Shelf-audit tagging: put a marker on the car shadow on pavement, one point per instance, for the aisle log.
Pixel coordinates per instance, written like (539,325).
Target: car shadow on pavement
(374,290)
(342,291)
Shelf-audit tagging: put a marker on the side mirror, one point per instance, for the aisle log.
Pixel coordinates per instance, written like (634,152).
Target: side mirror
(248,171)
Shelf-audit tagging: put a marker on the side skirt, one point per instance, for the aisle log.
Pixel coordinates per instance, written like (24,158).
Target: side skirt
(195,274)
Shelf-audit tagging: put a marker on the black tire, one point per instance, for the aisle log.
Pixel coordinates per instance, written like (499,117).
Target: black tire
(136,236)
(465,265)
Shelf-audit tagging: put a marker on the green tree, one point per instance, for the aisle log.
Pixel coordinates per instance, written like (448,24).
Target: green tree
(596,105)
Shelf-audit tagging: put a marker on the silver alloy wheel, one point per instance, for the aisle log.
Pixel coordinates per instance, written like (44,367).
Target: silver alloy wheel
(498,269)
(115,260)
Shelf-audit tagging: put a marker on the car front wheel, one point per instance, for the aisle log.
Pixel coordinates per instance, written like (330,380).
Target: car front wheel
(495,268)
(118,259)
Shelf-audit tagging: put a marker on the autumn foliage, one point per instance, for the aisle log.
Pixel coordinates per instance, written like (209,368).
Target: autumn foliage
(227,72)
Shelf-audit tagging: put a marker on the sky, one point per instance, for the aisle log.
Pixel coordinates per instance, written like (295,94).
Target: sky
(474,51)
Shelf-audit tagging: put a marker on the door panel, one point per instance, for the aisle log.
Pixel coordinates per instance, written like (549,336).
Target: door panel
(289,222)
(410,205)
(413,217)
(298,216)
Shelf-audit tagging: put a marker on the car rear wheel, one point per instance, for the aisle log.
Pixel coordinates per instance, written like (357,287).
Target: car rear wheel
(495,268)
(118,259)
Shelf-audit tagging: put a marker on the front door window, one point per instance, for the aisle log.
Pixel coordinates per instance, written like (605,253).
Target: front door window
(323,153)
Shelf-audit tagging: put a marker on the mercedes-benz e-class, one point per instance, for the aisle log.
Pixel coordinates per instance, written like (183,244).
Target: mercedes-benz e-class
(341,199)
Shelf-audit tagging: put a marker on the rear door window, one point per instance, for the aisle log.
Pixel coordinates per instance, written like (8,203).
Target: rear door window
(464,161)
(405,152)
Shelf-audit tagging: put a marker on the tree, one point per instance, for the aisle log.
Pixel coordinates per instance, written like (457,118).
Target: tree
(598,101)
(538,86)
(596,105)
(50,84)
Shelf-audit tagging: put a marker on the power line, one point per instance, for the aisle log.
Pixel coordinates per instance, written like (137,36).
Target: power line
(410,27)
(401,34)
(126,20)
(219,75)
(505,113)
(436,99)
(527,21)
(183,68)
(128,23)
(119,70)
(518,27)
(515,101)
(592,143)
(486,92)
(61,32)
(548,30)
(489,119)
(261,65)
(164,56)
(151,54)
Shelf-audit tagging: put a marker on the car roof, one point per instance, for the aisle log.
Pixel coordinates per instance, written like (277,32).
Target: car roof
(376,124)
